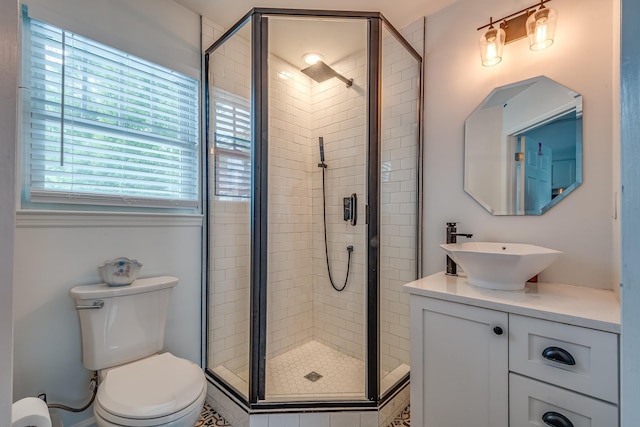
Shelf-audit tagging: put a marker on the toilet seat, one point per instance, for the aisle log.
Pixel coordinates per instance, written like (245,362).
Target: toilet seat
(151,391)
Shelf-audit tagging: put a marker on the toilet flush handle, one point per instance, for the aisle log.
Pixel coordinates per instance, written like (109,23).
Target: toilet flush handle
(96,305)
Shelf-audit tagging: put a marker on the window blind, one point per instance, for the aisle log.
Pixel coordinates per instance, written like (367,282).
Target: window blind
(232,144)
(105,127)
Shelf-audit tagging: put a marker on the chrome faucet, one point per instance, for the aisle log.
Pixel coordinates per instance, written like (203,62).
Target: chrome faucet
(452,235)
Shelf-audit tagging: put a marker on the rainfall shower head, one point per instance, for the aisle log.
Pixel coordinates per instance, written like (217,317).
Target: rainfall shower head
(321,72)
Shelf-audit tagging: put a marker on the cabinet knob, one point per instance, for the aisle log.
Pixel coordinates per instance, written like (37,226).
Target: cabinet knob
(498,330)
(555,419)
(558,355)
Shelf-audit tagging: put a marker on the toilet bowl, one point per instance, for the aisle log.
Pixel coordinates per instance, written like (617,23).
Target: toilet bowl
(123,338)
(160,390)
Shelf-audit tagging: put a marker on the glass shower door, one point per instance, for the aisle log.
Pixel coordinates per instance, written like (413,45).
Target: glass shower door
(315,343)
(399,152)
(229,174)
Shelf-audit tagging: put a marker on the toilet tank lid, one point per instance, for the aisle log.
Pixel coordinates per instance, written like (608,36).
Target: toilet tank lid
(149,284)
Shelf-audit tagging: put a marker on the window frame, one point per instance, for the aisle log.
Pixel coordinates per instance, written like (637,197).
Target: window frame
(187,197)
(231,138)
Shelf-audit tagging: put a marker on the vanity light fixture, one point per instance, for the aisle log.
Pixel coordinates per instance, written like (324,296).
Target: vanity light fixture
(538,25)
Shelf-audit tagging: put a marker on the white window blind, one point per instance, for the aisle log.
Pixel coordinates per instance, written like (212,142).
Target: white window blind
(104,127)
(232,144)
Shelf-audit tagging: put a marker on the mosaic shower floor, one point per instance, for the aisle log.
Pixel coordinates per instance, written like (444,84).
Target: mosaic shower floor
(312,370)
(210,417)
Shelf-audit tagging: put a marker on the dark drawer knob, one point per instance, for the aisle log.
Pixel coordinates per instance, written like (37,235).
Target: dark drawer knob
(498,330)
(555,419)
(558,355)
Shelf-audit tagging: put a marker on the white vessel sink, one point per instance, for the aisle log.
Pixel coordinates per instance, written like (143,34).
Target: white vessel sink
(502,266)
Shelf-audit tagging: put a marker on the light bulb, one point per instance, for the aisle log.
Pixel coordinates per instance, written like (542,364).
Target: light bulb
(312,58)
(491,44)
(541,28)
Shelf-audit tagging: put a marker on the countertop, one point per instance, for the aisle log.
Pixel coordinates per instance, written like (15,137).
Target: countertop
(575,305)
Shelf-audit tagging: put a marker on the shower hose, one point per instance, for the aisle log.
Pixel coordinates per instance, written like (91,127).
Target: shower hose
(326,246)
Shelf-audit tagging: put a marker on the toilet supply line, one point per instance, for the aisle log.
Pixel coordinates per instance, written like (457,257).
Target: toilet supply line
(93,386)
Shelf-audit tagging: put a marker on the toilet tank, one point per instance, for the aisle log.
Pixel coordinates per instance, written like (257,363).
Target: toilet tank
(130,324)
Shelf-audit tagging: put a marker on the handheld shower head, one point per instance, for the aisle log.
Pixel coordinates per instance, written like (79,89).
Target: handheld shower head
(321,144)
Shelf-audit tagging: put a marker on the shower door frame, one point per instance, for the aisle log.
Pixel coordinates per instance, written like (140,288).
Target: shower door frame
(259,204)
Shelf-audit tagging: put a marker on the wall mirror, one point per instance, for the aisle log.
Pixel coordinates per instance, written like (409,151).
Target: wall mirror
(523,147)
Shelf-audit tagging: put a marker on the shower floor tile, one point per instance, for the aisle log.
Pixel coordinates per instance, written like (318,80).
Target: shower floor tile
(314,370)
(338,376)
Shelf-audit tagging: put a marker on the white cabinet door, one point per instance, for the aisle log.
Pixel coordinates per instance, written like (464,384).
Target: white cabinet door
(459,365)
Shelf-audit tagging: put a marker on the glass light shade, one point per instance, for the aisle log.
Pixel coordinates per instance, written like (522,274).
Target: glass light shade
(491,44)
(541,28)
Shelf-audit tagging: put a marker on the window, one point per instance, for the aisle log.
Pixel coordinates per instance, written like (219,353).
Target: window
(232,144)
(102,127)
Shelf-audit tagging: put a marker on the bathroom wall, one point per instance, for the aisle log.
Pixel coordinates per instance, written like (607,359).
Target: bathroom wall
(55,251)
(289,299)
(581,225)
(8,103)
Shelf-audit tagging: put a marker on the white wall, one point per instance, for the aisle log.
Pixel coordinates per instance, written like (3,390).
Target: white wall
(56,251)
(8,105)
(456,83)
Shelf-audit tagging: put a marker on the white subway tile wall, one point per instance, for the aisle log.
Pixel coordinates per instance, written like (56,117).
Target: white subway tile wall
(339,116)
(289,300)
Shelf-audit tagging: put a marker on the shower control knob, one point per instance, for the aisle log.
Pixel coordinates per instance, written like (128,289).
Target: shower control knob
(498,330)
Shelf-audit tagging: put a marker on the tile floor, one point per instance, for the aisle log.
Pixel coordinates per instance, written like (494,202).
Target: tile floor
(290,375)
(210,417)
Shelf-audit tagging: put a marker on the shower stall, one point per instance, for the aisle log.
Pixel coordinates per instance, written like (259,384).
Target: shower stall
(313,209)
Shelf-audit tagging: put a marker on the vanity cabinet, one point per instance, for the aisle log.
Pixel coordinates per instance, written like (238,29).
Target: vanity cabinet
(458,364)
(547,356)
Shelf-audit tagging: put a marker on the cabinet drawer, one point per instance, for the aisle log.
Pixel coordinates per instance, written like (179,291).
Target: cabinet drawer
(531,401)
(590,356)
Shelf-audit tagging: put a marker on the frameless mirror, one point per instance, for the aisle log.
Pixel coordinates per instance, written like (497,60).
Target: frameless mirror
(523,147)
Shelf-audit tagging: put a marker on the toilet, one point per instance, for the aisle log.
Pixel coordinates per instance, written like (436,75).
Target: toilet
(122,338)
